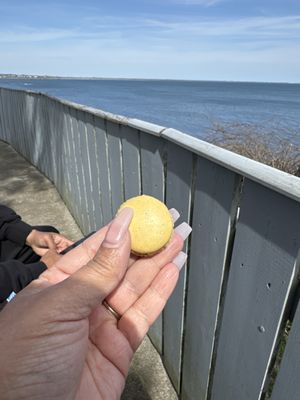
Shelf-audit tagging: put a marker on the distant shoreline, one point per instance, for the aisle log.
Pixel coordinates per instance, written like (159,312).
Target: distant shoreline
(82,78)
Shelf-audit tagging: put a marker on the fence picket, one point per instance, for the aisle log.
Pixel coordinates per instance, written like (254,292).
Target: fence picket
(131,162)
(214,209)
(178,195)
(218,333)
(103,169)
(115,157)
(153,184)
(86,189)
(287,385)
(262,273)
(96,215)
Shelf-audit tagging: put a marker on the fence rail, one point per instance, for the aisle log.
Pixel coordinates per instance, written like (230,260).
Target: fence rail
(218,336)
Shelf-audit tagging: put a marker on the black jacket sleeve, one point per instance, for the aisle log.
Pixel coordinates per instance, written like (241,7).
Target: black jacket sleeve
(12,227)
(14,276)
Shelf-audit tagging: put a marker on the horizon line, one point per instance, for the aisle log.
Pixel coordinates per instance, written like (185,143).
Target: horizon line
(46,76)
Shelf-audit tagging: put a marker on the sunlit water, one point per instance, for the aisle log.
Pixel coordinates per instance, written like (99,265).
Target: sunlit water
(189,106)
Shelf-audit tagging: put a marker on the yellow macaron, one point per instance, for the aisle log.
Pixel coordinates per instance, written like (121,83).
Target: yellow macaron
(151,226)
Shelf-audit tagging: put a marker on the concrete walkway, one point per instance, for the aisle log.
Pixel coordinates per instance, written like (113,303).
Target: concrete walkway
(34,197)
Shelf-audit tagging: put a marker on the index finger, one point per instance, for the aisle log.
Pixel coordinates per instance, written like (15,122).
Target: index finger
(147,308)
(140,275)
(85,252)
(49,241)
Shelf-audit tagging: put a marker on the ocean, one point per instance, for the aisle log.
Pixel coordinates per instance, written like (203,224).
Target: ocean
(193,107)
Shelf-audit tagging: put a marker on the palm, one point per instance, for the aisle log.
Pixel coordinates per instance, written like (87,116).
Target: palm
(107,359)
(103,345)
(101,362)
(81,350)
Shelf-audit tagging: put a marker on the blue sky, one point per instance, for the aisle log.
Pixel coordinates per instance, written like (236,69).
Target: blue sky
(239,40)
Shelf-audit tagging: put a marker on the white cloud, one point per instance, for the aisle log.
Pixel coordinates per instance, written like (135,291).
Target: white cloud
(94,58)
(277,27)
(25,34)
(202,48)
(172,30)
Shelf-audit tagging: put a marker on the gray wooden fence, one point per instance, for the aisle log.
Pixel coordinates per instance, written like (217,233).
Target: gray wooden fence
(218,336)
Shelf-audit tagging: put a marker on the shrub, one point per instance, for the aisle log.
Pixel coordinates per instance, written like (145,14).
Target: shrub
(258,143)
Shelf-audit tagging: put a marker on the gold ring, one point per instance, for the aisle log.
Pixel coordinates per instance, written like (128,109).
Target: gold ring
(111,310)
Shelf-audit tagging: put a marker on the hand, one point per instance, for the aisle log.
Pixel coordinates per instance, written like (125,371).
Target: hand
(65,344)
(50,258)
(41,242)
(61,242)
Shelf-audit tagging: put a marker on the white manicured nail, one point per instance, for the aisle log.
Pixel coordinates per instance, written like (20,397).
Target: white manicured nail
(180,260)
(174,214)
(183,230)
(118,228)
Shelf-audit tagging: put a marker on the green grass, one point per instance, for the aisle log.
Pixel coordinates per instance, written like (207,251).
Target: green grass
(278,359)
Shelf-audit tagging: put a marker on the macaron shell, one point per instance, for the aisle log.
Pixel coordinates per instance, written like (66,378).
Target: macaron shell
(152,225)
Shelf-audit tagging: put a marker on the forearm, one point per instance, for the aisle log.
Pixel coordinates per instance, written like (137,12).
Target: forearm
(14,276)
(12,227)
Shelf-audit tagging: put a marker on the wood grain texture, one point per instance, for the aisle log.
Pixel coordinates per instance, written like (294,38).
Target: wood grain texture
(261,275)
(45,139)
(152,166)
(103,169)
(287,385)
(12,121)
(48,138)
(9,117)
(178,196)
(153,184)
(37,137)
(214,209)
(115,158)
(23,132)
(24,140)
(2,122)
(64,175)
(131,162)
(74,199)
(78,171)
(96,216)
(5,105)
(56,121)
(60,133)
(87,191)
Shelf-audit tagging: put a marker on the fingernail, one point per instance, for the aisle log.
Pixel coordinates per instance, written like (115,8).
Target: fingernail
(183,230)
(118,228)
(174,214)
(180,260)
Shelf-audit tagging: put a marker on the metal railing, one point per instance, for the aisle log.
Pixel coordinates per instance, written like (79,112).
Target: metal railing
(218,336)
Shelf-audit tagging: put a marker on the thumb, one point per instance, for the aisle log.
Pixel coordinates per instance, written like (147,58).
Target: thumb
(49,241)
(89,286)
